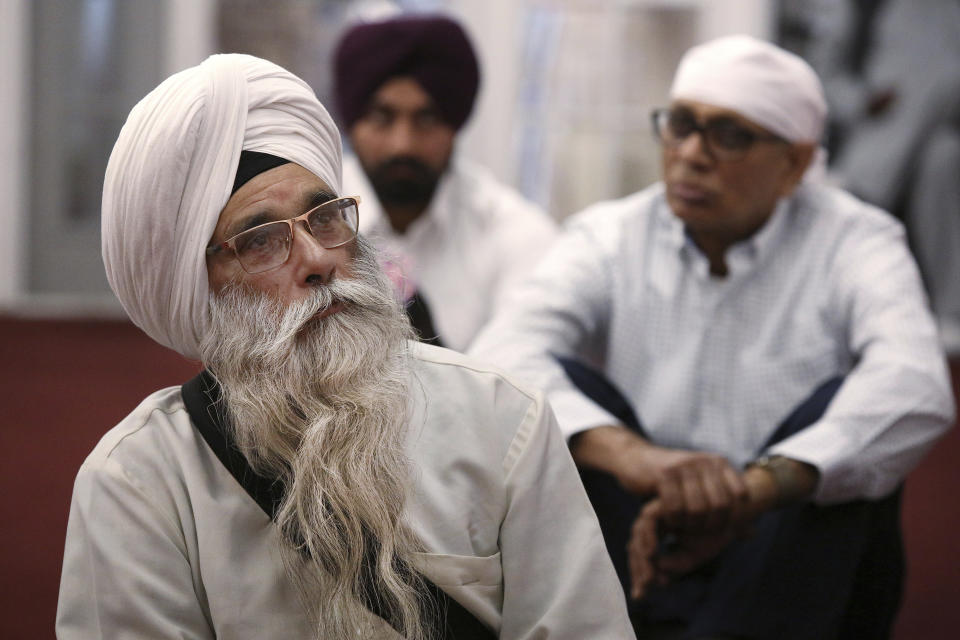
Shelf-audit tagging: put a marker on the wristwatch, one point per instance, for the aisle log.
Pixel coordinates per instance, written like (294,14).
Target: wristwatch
(783,472)
(778,466)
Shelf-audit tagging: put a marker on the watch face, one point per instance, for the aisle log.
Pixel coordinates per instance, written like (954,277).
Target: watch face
(795,481)
(764,461)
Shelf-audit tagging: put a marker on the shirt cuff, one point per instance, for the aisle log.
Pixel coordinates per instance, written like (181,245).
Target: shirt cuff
(575,412)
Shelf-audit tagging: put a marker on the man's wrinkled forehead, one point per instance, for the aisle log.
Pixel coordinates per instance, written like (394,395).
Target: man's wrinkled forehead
(707,112)
(277,193)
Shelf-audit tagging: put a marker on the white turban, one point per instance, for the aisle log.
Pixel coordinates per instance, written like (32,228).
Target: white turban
(171,173)
(767,85)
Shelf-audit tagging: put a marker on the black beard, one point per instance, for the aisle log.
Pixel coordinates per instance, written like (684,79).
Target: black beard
(404,182)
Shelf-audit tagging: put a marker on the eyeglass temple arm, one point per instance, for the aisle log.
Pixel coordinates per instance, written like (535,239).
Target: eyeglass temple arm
(217,248)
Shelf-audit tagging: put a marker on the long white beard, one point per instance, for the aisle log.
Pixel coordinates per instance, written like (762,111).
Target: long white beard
(322,405)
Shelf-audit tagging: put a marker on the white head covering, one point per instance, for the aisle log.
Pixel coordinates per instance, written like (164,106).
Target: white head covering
(171,173)
(766,84)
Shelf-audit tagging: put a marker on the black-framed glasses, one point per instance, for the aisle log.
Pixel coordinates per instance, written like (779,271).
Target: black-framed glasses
(267,246)
(724,138)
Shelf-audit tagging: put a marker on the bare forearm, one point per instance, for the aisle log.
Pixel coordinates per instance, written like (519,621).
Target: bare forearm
(617,451)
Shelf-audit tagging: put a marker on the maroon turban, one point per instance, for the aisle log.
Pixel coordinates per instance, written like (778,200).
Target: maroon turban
(432,49)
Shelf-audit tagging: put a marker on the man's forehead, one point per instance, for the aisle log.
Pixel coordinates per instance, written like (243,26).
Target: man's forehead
(281,191)
(402,92)
(283,182)
(706,111)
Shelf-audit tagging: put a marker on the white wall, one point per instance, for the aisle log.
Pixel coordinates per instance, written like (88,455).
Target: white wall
(494,26)
(612,60)
(14,22)
(723,17)
(190,33)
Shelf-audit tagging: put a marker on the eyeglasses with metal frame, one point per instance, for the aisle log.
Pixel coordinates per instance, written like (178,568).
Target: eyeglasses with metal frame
(267,246)
(723,138)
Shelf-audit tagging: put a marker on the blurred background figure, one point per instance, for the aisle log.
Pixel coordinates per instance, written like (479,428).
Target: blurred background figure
(561,117)
(454,238)
(891,70)
(739,348)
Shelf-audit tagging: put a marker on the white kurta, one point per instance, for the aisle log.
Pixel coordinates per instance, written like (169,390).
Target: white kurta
(827,287)
(472,243)
(163,542)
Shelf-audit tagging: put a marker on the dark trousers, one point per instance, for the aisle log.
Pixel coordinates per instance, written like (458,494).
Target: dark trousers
(807,572)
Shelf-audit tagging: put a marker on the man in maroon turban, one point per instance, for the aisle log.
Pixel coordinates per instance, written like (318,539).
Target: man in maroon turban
(404,87)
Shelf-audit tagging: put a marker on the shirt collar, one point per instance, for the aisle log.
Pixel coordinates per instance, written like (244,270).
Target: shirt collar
(741,256)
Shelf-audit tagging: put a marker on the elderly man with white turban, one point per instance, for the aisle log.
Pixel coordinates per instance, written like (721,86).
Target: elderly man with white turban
(324,476)
(739,349)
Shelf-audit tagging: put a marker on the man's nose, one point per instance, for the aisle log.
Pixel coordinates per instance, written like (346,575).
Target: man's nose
(694,148)
(312,264)
(402,137)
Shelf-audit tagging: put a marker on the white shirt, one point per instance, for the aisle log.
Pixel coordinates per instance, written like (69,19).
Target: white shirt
(827,287)
(475,239)
(162,542)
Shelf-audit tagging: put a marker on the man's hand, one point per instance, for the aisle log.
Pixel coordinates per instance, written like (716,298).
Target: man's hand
(688,550)
(691,547)
(698,491)
(641,550)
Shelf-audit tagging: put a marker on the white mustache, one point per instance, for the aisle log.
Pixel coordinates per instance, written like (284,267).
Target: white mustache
(364,292)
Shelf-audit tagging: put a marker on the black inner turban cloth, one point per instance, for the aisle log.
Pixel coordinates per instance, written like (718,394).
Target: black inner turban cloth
(252,164)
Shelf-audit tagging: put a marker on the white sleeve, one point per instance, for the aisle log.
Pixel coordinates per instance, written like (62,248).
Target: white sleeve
(560,310)
(558,581)
(896,401)
(126,573)
(520,249)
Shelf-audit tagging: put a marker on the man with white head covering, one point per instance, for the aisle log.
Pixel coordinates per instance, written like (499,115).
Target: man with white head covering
(323,476)
(739,348)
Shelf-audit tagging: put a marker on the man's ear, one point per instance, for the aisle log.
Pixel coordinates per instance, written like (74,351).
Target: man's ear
(799,156)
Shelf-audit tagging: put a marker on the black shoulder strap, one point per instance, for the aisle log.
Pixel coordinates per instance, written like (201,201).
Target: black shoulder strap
(422,320)
(201,395)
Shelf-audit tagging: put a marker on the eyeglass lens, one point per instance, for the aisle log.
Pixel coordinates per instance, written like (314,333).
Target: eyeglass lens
(723,135)
(265,247)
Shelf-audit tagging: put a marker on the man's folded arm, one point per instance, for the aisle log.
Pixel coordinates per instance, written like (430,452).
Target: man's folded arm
(559,310)
(896,401)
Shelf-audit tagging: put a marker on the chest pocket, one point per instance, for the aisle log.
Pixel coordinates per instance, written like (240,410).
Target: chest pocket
(475,582)
(461,571)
